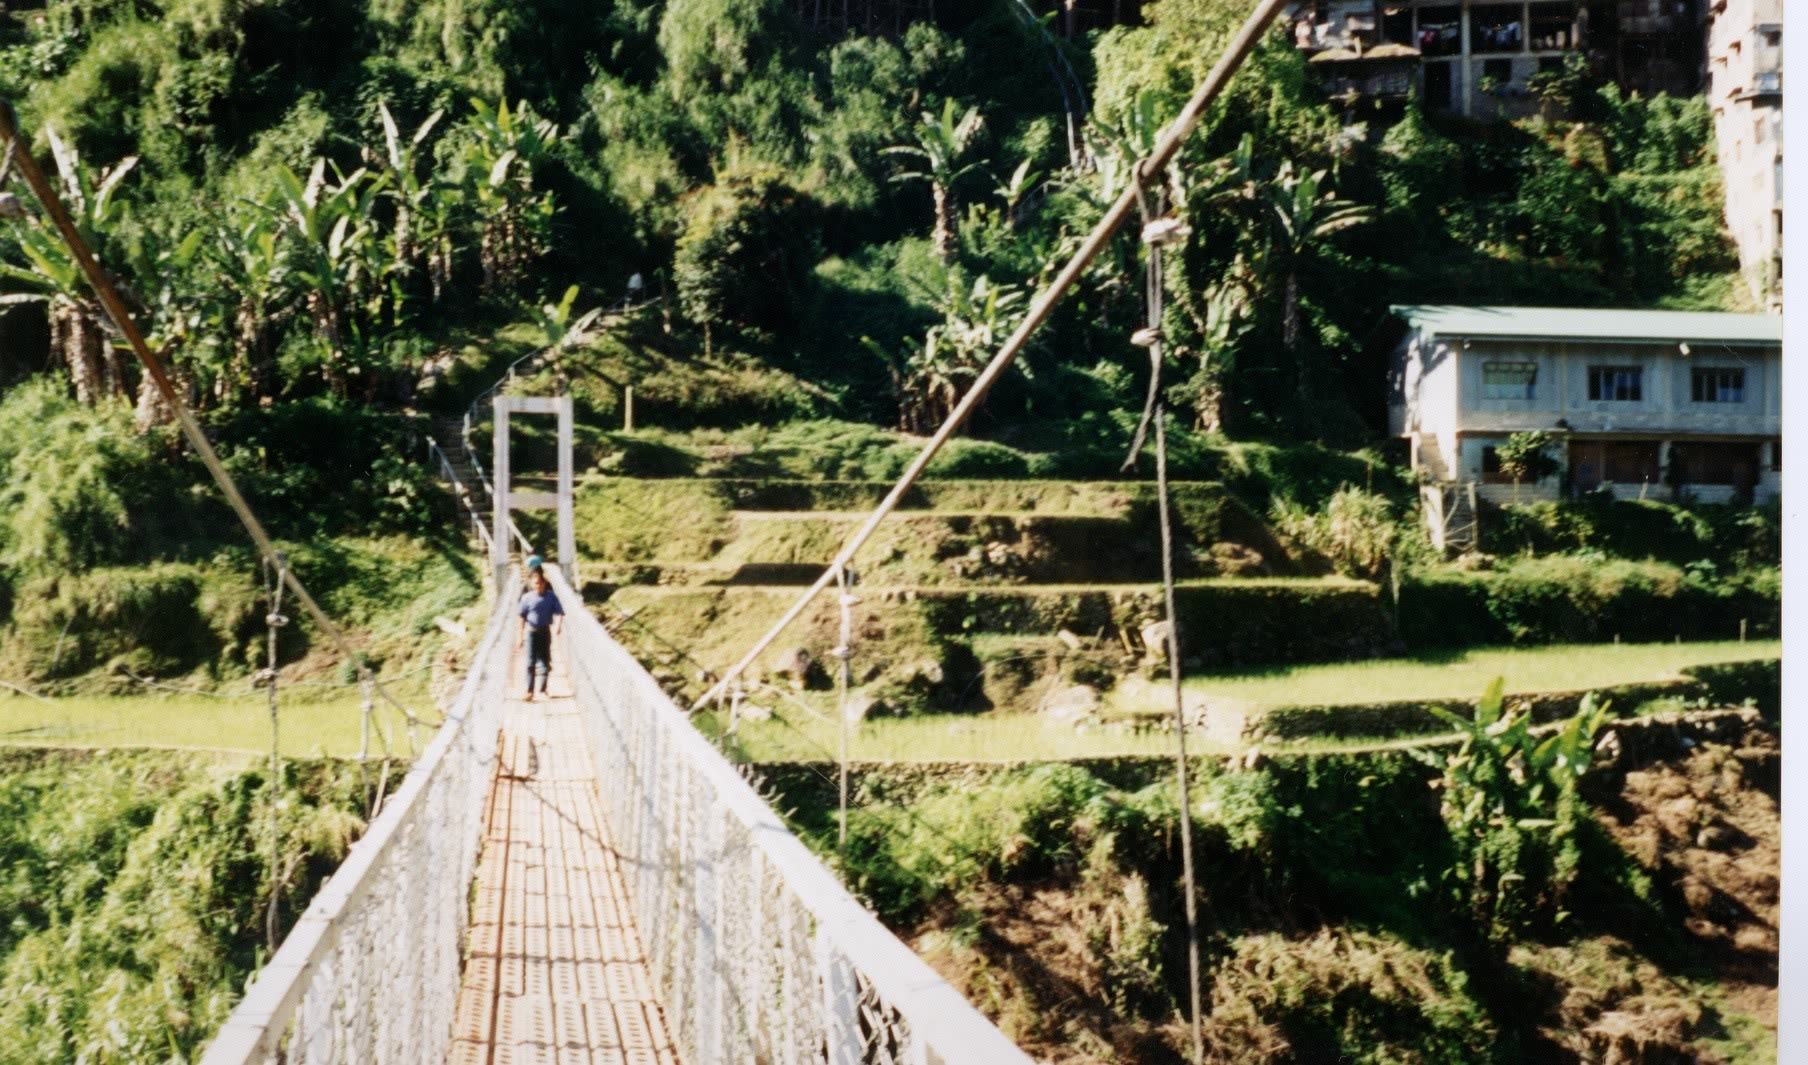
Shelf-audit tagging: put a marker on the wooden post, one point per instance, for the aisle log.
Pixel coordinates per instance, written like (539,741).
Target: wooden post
(499,495)
(568,550)
(627,408)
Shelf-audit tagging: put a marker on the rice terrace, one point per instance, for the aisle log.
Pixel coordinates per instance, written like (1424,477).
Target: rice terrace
(875,531)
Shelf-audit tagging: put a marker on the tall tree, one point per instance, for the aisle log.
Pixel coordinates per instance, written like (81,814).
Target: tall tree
(78,327)
(942,140)
(1304,213)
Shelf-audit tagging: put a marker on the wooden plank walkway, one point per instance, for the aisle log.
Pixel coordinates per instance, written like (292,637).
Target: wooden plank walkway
(554,971)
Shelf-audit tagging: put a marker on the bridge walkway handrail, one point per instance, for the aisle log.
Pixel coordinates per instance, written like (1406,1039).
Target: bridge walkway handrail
(756,949)
(370,972)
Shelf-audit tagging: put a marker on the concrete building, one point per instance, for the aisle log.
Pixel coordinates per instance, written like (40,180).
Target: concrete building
(1476,57)
(1657,404)
(1744,81)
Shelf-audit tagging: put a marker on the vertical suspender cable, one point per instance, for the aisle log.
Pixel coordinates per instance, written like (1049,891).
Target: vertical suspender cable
(1194,976)
(845,653)
(1156,233)
(1165,150)
(274,621)
(108,293)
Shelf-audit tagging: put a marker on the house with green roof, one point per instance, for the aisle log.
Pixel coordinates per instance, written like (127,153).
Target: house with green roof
(1651,404)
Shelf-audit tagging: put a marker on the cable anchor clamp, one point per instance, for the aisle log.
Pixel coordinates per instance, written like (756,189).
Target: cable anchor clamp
(1166,230)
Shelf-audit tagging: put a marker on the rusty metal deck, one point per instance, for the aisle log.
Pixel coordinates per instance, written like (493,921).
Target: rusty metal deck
(554,971)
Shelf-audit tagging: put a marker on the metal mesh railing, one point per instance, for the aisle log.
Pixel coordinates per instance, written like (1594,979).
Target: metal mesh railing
(757,951)
(370,973)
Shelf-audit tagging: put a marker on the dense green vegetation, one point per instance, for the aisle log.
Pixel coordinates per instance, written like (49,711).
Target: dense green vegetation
(1478,902)
(335,219)
(136,891)
(312,201)
(329,218)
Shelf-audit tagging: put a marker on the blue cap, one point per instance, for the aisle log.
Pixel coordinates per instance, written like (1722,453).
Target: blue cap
(534,561)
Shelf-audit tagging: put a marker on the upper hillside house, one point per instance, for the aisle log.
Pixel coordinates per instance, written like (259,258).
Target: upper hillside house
(1476,57)
(1658,404)
(1745,89)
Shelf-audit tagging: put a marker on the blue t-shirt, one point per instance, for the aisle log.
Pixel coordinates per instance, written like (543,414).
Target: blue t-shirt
(539,608)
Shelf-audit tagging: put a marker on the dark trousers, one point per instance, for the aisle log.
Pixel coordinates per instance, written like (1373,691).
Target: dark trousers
(539,656)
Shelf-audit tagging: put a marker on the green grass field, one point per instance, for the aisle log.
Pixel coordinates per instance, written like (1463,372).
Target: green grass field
(1459,677)
(313,720)
(800,737)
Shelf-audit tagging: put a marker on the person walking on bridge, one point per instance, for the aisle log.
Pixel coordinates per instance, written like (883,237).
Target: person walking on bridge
(542,617)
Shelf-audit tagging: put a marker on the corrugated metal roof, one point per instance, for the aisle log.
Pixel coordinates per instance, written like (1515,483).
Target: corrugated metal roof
(1592,324)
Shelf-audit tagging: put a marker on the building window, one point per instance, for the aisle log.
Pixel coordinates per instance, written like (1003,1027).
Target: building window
(1440,30)
(1621,383)
(1496,74)
(1496,28)
(1551,28)
(1491,471)
(1716,464)
(1508,380)
(1710,385)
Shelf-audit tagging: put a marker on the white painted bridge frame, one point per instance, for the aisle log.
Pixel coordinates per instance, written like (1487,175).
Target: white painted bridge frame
(757,951)
(505,500)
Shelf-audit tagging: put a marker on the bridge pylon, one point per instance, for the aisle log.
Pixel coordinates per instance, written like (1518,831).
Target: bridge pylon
(505,499)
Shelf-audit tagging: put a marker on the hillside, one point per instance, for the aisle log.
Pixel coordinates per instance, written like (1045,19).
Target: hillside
(339,202)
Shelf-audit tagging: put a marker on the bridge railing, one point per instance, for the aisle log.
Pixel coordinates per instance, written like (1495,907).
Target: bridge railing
(370,973)
(757,951)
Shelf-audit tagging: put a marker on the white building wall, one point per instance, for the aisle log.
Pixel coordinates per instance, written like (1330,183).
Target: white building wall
(1443,407)
(1744,88)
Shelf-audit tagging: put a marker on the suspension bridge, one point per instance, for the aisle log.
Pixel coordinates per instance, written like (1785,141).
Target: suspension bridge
(586,878)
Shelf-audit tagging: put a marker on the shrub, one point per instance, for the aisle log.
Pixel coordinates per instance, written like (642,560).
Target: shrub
(1342,995)
(1355,531)
(977,459)
(1580,599)
(135,890)
(69,478)
(746,254)
(902,858)
(1511,806)
(166,619)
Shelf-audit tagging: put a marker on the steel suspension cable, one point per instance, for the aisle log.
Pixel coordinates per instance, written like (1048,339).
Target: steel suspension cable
(1165,149)
(115,306)
(275,621)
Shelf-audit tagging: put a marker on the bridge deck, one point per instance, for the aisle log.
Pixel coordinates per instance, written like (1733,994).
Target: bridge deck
(554,970)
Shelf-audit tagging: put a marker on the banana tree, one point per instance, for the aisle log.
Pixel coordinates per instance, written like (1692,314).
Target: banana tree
(941,142)
(249,267)
(336,259)
(178,314)
(503,152)
(423,204)
(930,380)
(78,326)
(1303,213)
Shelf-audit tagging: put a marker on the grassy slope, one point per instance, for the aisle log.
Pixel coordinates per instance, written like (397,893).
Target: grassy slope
(804,729)
(314,721)
(1462,675)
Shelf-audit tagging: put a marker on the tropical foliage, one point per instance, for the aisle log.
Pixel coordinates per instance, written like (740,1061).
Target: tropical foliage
(299,208)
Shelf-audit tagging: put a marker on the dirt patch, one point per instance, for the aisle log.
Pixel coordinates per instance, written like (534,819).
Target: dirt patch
(1705,824)
(1071,974)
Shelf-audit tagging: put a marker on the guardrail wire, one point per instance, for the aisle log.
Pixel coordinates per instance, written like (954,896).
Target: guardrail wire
(756,949)
(370,972)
